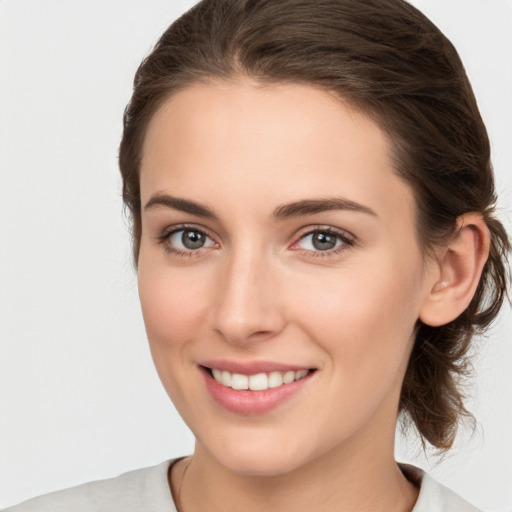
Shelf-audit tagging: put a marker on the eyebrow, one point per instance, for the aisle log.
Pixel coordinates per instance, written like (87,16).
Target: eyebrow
(182,205)
(312,206)
(300,208)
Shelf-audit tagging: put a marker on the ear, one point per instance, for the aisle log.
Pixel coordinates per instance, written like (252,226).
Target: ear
(456,271)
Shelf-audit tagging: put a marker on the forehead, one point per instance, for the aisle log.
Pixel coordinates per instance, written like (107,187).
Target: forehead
(229,139)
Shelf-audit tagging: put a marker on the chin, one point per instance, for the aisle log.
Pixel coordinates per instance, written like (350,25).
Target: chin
(259,465)
(264,457)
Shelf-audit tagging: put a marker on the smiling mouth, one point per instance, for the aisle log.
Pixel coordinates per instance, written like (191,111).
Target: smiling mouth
(247,389)
(258,381)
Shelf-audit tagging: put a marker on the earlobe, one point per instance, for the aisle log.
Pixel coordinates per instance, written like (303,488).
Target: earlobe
(458,270)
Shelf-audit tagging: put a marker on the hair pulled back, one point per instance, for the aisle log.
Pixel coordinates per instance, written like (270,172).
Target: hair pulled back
(388,60)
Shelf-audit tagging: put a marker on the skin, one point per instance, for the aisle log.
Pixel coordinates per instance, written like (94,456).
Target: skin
(260,291)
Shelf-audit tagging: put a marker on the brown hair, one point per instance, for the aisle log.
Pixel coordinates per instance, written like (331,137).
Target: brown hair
(387,59)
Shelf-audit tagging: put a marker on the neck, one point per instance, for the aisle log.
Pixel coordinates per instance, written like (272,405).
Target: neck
(358,480)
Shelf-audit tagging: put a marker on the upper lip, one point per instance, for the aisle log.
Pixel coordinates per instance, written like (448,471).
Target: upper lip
(252,367)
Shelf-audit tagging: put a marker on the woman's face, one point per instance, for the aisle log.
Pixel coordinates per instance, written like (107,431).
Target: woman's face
(277,241)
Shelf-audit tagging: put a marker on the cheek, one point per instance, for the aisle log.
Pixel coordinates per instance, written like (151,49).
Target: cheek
(364,318)
(172,305)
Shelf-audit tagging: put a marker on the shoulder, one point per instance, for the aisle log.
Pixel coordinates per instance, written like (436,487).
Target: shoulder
(143,489)
(433,495)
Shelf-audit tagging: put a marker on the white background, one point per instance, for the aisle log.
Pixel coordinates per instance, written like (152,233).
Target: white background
(79,397)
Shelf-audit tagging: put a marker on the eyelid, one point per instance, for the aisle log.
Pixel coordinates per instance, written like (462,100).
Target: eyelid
(166,234)
(347,239)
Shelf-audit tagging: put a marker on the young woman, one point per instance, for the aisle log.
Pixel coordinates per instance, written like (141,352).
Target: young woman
(312,204)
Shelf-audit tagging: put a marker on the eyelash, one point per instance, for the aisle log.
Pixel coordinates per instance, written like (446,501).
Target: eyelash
(165,238)
(346,239)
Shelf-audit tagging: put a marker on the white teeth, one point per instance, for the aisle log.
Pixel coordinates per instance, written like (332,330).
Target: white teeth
(258,381)
(239,381)
(275,379)
(288,377)
(225,378)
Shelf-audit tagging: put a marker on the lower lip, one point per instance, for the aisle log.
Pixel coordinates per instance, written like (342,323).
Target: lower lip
(252,402)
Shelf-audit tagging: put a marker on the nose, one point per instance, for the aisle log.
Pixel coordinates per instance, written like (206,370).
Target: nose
(246,306)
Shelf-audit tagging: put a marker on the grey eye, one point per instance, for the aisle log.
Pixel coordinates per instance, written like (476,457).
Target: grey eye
(190,239)
(320,241)
(324,241)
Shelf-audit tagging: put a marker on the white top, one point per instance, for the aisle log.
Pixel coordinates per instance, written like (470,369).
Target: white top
(147,490)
